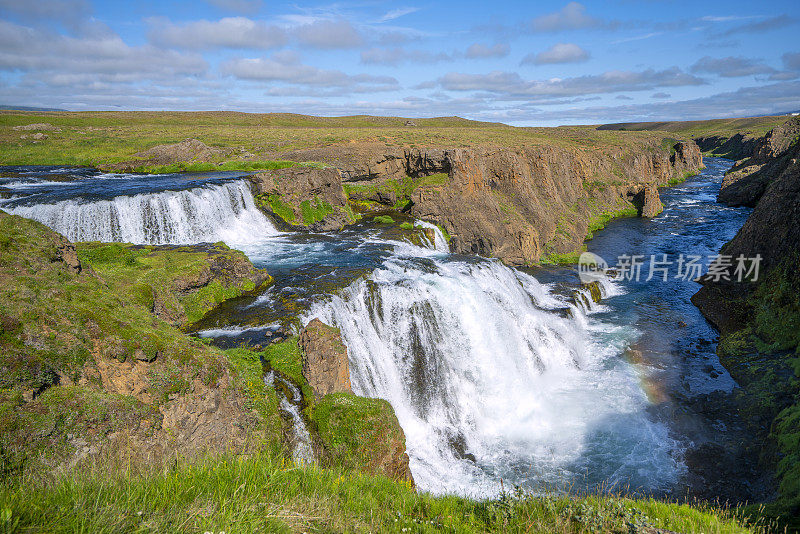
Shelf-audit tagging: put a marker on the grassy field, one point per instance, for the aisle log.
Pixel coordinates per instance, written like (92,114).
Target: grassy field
(752,126)
(92,138)
(265,493)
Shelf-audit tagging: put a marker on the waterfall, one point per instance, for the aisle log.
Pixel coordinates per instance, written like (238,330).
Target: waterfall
(302,450)
(439,241)
(489,382)
(223,212)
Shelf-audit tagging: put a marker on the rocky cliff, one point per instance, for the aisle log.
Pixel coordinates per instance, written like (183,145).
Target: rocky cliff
(759,318)
(521,205)
(770,156)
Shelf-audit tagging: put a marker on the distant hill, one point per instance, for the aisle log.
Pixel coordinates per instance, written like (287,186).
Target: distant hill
(27,108)
(719,127)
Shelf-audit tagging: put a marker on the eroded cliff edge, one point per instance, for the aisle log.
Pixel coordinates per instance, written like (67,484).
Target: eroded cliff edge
(523,205)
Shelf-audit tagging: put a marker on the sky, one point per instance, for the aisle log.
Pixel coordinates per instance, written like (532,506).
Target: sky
(522,63)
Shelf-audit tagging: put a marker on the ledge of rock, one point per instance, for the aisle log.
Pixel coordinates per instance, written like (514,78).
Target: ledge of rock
(303,196)
(324,359)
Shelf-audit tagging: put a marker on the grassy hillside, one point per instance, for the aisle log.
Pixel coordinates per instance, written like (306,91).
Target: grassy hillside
(265,493)
(752,126)
(92,138)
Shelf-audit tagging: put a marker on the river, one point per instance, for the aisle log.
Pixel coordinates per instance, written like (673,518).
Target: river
(490,376)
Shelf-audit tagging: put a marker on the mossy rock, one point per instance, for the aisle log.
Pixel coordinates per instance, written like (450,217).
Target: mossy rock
(361,433)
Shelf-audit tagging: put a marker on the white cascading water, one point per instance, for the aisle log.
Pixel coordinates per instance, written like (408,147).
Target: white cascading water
(488,381)
(224,212)
(488,384)
(439,242)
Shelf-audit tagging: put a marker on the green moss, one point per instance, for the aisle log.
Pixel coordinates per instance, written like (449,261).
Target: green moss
(406,226)
(356,431)
(383,219)
(280,208)
(679,179)
(599,221)
(568,258)
(147,274)
(315,212)
(446,235)
(260,397)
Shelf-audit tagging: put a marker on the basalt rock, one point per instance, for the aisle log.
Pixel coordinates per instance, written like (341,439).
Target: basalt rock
(648,202)
(772,154)
(303,196)
(324,358)
(514,203)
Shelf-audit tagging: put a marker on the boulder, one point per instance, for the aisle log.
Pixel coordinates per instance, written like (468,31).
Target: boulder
(324,358)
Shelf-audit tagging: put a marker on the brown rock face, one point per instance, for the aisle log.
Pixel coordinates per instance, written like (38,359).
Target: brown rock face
(325,364)
(521,204)
(747,181)
(648,202)
(298,184)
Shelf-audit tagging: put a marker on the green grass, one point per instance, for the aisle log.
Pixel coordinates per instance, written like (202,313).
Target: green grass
(148,274)
(263,492)
(753,126)
(210,167)
(599,221)
(679,179)
(569,258)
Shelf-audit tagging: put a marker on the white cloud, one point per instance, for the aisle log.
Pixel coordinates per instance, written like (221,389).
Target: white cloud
(64,10)
(571,17)
(511,86)
(329,34)
(558,53)
(229,32)
(54,58)
(286,67)
(397,13)
(731,67)
(396,56)
(480,51)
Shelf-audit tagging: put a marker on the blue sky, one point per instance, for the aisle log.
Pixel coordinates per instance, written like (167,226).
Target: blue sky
(522,63)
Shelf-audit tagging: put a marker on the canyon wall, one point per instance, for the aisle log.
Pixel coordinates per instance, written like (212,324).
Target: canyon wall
(523,205)
(759,318)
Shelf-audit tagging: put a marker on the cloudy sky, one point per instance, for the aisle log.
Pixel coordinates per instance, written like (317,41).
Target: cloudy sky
(523,63)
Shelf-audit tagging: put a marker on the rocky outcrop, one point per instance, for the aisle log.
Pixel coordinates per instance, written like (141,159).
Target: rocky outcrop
(517,204)
(746,182)
(303,196)
(735,147)
(758,317)
(648,202)
(324,358)
(88,371)
(772,229)
(522,204)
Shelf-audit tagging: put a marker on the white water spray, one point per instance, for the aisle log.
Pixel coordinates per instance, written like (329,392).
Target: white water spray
(439,241)
(211,213)
(489,383)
